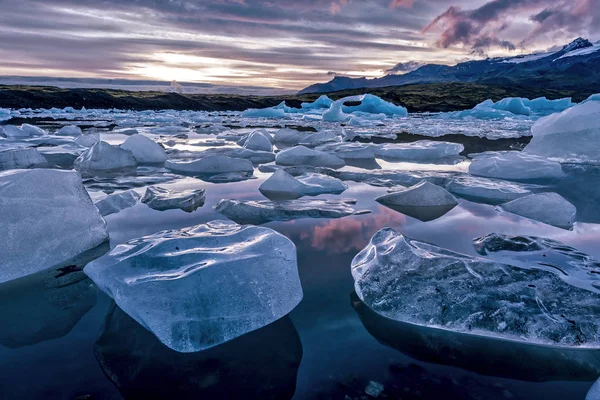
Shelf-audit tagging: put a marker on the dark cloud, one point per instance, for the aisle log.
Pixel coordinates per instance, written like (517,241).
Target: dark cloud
(262,42)
(404,67)
(485,26)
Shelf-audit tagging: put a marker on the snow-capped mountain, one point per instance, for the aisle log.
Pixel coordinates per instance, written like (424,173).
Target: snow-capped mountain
(575,66)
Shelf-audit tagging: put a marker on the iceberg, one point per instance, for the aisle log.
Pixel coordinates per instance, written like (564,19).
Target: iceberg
(283,186)
(373,105)
(425,285)
(322,102)
(424,201)
(104,157)
(350,151)
(260,212)
(117,202)
(512,107)
(514,166)
(258,140)
(162,199)
(574,267)
(211,165)
(87,139)
(301,155)
(272,112)
(490,191)
(319,138)
(594,97)
(422,150)
(289,137)
(549,208)
(49,218)
(254,156)
(69,130)
(390,178)
(25,131)
(145,150)
(201,286)
(570,136)
(61,156)
(22,158)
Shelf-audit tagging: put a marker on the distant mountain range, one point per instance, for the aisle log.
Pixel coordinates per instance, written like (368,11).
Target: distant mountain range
(576,66)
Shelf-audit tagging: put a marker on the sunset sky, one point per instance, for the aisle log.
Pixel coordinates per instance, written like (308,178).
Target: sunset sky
(288,44)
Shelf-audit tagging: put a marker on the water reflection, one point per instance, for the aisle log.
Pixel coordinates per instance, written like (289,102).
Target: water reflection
(488,356)
(262,364)
(48,304)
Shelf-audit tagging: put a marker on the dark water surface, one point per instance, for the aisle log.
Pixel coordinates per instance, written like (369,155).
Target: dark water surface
(56,328)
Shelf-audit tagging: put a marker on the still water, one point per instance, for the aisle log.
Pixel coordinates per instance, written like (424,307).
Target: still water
(61,338)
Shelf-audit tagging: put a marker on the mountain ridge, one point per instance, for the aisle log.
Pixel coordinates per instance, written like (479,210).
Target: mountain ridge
(575,66)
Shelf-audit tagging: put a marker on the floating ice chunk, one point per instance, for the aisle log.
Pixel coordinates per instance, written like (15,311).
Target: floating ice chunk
(373,105)
(322,102)
(162,199)
(424,201)
(254,156)
(594,392)
(549,208)
(5,114)
(575,267)
(49,218)
(543,106)
(422,150)
(290,137)
(513,105)
(319,138)
(335,113)
(351,151)
(25,131)
(491,191)
(260,212)
(201,286)
(87,139)
(117,202)
(390,178)
(272,112)
(594,97)
(62,156)
(258,140)
(422,284)
(301,155)
(69,130)
(145,150)
(571,136)
(514,166)
(211,165)
(283,186)
(104,157)
(21,158)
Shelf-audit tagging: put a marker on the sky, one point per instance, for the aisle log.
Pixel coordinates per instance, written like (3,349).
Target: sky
(275,43)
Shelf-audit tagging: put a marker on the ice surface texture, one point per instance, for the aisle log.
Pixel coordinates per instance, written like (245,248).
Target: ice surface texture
(283,186)
(571,136)
(514,166)
(549,208)
(47,217)
(491,191)
(200,286)
(22,158)
(424,201)
(104,157)
(145,150)
(211,165)
(260,212)
(114,203)
(161,199)
(301,155)
(423,284)
(422,150)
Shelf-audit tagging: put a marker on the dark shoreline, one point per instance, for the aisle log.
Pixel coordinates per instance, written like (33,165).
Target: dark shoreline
(435,97)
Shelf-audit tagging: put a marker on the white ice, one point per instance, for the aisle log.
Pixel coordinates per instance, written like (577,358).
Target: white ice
(515,166)
(104,157)
(145,150)
(549,208)
(117,202)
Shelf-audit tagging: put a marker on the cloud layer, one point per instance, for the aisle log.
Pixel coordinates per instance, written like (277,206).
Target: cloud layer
(276,43)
